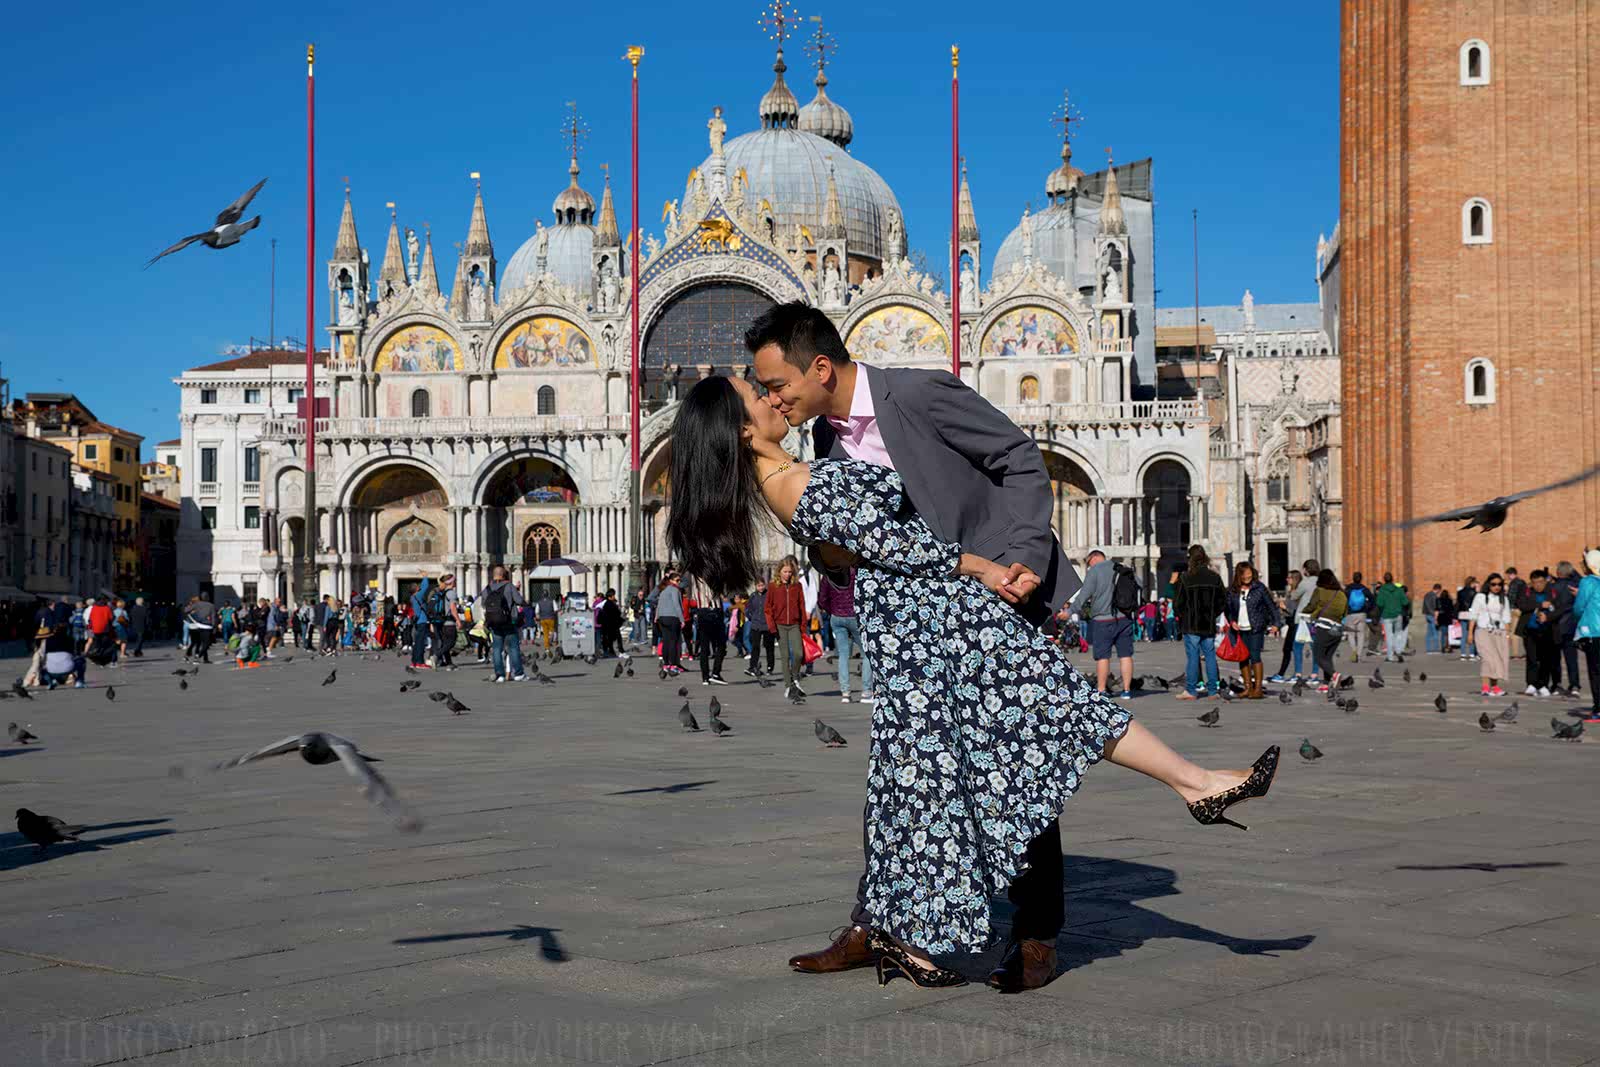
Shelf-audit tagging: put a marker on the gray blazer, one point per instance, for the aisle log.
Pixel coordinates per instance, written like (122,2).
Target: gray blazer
(969,471)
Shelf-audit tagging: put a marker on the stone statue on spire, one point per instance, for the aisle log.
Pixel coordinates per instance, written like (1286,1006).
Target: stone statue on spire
(718,130)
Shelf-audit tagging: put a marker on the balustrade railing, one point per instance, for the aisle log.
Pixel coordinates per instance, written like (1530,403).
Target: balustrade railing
(448,426)
(1115,412)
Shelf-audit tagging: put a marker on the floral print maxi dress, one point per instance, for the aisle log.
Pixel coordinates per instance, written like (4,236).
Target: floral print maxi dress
(981,730)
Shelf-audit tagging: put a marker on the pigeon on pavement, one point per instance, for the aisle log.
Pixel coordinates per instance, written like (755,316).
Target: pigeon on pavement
(45,830)
(1284,698)
(1423,677)
(20,735)
(719,727)
(1485,723)
(1440,704)
(111,692)
(1376,681)
(1566,731)
(21,690)
(1308,751)
(1299,687)
(180,672)
(1405,675)
(1347,682)
(683,690)
(1510,714)
(618,672)
(1210,718)
(407,686)
(544,679)
(319,748)
(830,737)
(332,677)
(687,720)
(455,706)
(411,670)
(228,228)
(716,707)
(438,696)
(1351,706)
(1491,514)
(183,683)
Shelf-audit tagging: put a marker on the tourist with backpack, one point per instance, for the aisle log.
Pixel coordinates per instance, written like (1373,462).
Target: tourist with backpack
(502,609)
(1200,600)
(1358,602)
(1110,596)
(421,624)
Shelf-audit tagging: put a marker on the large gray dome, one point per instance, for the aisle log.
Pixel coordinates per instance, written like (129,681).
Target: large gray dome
(568,257)
(1067,250)
(790,169)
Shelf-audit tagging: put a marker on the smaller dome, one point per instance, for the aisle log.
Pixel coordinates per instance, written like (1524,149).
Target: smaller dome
(825,118)
(1064,178)
(572,204)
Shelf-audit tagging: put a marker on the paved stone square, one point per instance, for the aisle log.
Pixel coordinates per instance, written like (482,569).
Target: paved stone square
(593,885)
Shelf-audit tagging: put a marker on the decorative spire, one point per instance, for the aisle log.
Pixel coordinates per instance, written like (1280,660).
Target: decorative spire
(608,235)
(1111,220)
(428,275)
(832,213)
(478,243)
(458,288)
(823,116)
(1064,179)
(573,205)
(779,109)
(968,220)
(345,246)
(392,278)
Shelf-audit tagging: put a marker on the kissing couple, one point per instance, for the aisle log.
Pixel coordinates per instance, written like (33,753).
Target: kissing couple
(982,730)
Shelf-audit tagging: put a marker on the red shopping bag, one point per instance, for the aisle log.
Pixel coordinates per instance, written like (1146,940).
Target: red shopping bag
(812,650)
(1232,647)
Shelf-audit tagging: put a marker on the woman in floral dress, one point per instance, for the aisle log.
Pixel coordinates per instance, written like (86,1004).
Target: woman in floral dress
(982,729)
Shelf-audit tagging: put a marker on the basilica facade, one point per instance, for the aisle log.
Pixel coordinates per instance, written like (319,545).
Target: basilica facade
(488,422)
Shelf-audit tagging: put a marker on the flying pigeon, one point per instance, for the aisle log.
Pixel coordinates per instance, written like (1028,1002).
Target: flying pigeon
(111,692)
(1566,731)
(406,687)
(830,737)
(1440,704)
(719,727)
(332,677)
(456,707)
(21,690)
(320,748)
(1490,515)
(1510,714)
(1308,751)
(1485,723)
(228,229)
(45,830)
(1351,706)
(687,720)
(19,734)
(1210,718)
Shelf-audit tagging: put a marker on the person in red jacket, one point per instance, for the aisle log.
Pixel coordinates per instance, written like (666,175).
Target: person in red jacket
(786,617)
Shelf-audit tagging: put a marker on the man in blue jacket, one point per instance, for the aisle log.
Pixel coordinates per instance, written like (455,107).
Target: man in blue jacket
(420,626)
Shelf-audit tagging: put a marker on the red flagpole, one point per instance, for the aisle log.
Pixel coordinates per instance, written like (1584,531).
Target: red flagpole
(635,53)
(955,211)
(309,583)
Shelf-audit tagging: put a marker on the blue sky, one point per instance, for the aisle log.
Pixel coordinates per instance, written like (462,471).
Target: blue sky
(135,124)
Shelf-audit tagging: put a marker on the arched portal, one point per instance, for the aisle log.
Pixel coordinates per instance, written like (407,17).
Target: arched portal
(655,501)
(528,502)
(1072,489)
(1165,527)
(398,528)
(701,327)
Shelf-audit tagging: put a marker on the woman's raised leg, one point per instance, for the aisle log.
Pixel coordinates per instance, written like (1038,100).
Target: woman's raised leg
(1140,750)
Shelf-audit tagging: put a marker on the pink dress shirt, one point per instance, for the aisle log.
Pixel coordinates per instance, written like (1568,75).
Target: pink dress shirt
(859,434)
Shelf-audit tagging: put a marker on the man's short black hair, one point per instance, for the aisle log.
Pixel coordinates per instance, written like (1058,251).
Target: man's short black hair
(801,331)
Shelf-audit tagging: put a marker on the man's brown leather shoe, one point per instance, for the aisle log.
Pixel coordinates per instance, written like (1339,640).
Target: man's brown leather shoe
(1027,965)
(848,951)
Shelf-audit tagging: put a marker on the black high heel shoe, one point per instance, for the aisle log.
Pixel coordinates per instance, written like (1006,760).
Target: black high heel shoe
(1213,809)
(894,960)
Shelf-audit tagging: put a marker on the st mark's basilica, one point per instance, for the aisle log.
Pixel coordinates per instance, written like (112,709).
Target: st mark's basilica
(488,422)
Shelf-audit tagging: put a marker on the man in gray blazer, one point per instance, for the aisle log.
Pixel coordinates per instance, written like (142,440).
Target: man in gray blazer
(975,478)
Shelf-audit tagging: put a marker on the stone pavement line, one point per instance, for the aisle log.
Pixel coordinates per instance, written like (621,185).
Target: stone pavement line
(1420,857)
(85,966)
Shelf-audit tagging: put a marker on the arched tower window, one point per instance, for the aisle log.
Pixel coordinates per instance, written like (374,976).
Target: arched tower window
(1477,222)
(547,400)
(1278,479)
(1028,390)
(1474,63)
(419,403)
(1480,385)
(541,543)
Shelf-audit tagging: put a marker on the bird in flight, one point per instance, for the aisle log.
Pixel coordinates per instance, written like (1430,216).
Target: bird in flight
(1491,515)
(228,229)
(318,748)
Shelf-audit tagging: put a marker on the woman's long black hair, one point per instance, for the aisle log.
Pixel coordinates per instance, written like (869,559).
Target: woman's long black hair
(716,501)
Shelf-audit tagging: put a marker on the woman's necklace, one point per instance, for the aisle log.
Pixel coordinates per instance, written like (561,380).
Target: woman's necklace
(787,463)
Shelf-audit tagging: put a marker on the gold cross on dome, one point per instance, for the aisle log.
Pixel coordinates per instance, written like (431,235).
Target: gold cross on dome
(822,44)
(1065,116)
(776,19)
